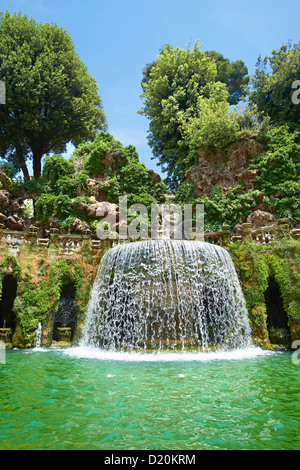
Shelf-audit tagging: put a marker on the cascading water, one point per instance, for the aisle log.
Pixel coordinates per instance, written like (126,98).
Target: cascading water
(167,295)
(38,336)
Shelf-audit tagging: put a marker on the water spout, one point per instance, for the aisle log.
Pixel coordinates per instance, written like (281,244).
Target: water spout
(38,336)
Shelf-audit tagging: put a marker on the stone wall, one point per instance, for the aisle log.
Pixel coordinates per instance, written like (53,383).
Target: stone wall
(224,168)
(42,270)
(43,267)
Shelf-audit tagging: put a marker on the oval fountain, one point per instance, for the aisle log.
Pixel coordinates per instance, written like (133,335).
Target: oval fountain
(167,295)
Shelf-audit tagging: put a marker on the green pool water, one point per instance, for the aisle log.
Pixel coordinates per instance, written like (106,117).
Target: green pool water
(73,399)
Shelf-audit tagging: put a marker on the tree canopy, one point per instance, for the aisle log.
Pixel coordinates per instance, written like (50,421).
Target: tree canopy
(180,88)
(233,74)
(272,85)
(51,100)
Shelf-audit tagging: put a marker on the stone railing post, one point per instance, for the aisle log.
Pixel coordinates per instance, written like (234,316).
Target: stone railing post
(31,236)
(225,234)
(283,227)
(247,231)
(295,233)
(54,234)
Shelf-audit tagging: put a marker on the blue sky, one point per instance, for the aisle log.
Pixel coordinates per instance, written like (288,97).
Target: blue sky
(116,38)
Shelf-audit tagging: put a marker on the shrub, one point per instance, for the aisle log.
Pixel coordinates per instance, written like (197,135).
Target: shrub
(56,167)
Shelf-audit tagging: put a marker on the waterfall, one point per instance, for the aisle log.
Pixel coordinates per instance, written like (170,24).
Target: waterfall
(38,336)
(167,295)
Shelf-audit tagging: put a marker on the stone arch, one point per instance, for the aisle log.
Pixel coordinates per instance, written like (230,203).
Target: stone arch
(9,292)
(66,315)
(277,318)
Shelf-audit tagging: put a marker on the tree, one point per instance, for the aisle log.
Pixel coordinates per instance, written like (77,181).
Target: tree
(213,127)
(233,74)
(175,86)
(272,85)
(51,99)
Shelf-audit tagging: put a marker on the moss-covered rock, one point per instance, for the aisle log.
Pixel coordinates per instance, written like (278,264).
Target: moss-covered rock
(256,264)
(41,274)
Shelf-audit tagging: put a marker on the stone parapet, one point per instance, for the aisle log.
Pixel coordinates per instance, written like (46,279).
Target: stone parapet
(73,244)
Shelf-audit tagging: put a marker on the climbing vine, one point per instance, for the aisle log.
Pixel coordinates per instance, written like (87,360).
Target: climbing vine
(256,263)
(37,299)
(9,265)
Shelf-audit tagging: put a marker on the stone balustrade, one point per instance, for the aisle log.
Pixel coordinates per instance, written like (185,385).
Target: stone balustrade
(71,244)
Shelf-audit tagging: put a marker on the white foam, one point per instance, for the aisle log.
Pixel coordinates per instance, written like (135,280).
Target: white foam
(107,355)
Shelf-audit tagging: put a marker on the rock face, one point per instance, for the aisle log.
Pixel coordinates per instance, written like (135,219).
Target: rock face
(110,160)
(77,226)
(15,223)
(11,210)
(224,168)
(260,218)
(5,182)
(101,209)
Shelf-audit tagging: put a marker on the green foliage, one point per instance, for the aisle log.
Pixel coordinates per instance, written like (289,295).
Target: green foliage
(70,186)
(107,157)
(90,156)
(56,190)
(220,209)
(50,205)
(56,167)
(182,94)
(213,127)
(51,98)
(9,169)
(233,74)
(120,168)
(276,184)
(272,85)
(37,301)
(289,282)
(279,173)
(136,181)
(171,87)
(256,263)
(33,186)
(251,122)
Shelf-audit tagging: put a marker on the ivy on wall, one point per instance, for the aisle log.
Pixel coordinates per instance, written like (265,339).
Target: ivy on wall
(40,283)
(41,280)
(256,263)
